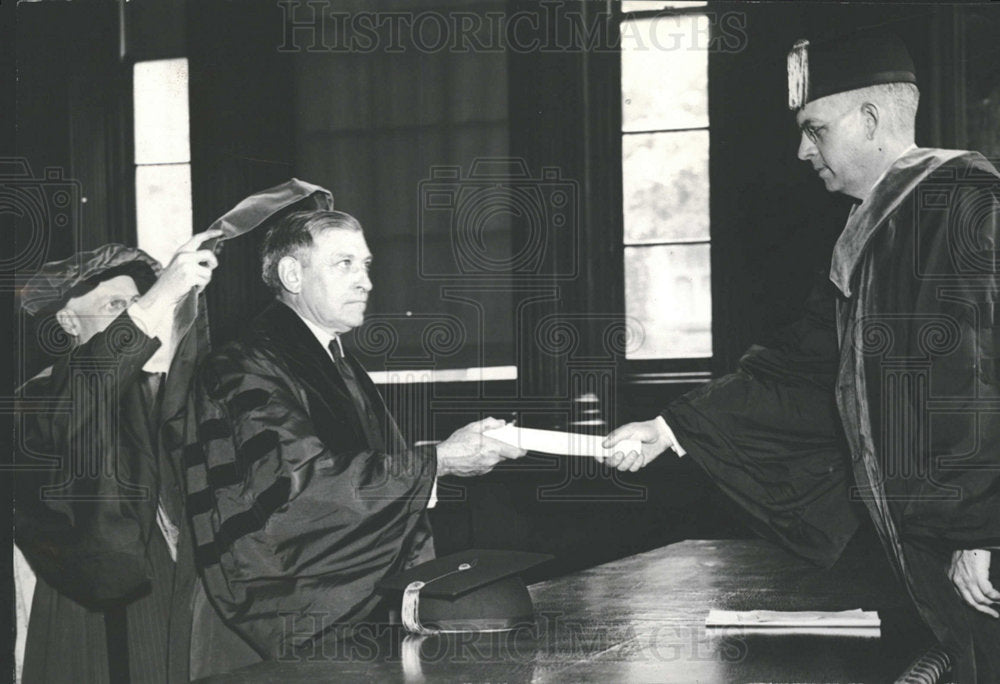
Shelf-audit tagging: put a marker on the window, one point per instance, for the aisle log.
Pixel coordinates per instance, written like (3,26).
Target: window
(665,194)
(162,156)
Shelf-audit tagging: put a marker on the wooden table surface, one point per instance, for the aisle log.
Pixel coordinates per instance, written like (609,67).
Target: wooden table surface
(641,619)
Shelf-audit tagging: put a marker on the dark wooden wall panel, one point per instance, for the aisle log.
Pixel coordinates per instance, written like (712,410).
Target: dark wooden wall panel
(72,140)
(372,126)
(242,133)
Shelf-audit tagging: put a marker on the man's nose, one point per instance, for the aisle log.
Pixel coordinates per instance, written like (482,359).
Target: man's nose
(806,147)
(365,281)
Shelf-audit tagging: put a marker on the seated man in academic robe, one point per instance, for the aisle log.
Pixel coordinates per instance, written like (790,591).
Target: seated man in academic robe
(98,507)
(302,493)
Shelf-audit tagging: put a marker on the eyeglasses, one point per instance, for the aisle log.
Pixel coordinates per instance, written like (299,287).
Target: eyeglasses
(815,132)
(119,304)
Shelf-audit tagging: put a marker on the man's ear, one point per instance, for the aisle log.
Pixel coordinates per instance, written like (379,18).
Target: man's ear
(68,321)
(290,274)
(872,118)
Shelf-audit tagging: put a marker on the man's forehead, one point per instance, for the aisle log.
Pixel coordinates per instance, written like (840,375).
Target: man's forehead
(342,241)
(821,109)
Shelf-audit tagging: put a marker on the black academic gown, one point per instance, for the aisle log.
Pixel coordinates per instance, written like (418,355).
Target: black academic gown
(919,380)
(770,437)
(93,542)
(885,395)
(296,514)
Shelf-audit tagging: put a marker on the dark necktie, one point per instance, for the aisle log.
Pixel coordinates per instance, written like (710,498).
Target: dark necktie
(151,386)
(369,421)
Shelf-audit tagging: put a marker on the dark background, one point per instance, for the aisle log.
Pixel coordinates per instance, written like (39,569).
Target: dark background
(370,126)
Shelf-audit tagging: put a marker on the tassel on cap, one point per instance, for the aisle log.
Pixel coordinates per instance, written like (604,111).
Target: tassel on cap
(859,59)
(410,613)
(798,74)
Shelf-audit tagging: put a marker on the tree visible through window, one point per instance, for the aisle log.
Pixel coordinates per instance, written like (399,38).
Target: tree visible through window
(664,58)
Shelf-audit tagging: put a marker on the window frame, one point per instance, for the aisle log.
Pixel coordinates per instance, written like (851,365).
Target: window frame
(668,370)
(160,250)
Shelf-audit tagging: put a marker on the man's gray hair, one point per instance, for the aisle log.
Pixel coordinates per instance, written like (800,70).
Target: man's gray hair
(898,102)
(296,232)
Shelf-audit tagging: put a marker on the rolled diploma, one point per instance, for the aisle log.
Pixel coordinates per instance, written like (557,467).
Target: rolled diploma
(562,443)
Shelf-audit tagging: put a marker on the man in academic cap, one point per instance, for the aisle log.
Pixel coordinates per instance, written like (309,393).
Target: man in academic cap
(98,507)
(915,366)
(303,494)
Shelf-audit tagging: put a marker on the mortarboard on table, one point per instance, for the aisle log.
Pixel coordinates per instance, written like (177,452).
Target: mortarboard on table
(471,591)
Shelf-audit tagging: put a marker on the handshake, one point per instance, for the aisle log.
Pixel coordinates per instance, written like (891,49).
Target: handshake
(654,437)
(478,447)
(468,452)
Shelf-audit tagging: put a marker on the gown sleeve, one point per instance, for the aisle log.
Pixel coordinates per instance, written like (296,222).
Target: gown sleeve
(72,519)
(292,532)
(769,436)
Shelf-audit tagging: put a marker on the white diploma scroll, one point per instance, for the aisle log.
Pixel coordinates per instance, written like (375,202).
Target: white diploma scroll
(562,443)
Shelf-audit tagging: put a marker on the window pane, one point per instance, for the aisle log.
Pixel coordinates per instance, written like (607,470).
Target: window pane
(163,208)
(668,291)
(665,72)
(665,186)
(641,5)
(160,95)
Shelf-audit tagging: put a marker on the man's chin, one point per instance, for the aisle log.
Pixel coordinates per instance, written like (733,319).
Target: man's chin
(830,183)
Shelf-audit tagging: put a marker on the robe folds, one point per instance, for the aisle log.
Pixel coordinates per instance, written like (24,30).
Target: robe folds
(919,382)
(887,395)
(295,514)
(94,467)
(770,437)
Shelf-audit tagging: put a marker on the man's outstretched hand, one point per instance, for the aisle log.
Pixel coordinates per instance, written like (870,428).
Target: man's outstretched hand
(651,433)
(469,452)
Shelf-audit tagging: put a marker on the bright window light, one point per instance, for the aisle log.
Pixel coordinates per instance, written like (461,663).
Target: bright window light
(160,95)
(163,208)
(645,5)
(162,156)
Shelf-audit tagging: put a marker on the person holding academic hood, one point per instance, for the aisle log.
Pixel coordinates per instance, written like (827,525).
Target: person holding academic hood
(912,336)
(99,500)
(98,509)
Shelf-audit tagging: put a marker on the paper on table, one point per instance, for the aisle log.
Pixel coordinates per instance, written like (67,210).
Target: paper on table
(563,443)
(802,630)
(791,619)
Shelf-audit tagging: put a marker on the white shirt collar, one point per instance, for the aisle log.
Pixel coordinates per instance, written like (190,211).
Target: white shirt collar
(323,336)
